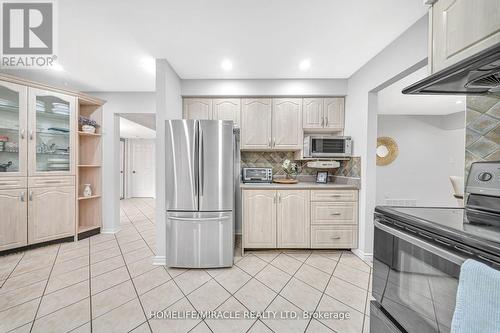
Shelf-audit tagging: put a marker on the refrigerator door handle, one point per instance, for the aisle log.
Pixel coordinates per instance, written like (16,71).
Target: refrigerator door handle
(196,163)
(202,163)
(199,219)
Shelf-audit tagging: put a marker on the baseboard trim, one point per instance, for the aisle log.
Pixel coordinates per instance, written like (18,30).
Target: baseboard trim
(110,230)
(362,255)
(160,260)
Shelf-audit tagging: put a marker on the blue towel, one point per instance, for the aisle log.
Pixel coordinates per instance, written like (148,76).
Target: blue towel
(478,299)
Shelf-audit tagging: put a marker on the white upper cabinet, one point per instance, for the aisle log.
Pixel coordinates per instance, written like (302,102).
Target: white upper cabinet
(197,108)
(287,123)
(323,114)
(256,123)
(51,134)
(334,113)
(312,113)
(227,109)
(461,28)
(13,129)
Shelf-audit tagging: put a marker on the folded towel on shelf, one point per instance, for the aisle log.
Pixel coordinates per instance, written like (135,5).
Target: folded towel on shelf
(478,299)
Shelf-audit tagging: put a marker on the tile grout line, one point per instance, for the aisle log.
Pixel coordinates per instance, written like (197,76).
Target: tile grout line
(13,269)
(138,298)
(323,294)
(43,294)
(90,292)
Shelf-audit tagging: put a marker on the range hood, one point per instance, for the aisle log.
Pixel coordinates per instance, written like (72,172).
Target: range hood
(478,74)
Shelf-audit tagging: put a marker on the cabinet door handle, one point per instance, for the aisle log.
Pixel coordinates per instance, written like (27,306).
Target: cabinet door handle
(274,198)
(22,133)
(336,195)
(322,121)
(30,196)
(336,237)
(279,198)
(22,196)
(52,181)
(269,144)
(336,214)
(326,121)
(274,142)
(31,134)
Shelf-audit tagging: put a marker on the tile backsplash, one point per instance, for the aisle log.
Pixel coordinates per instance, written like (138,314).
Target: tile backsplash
(482,142)
(349,168)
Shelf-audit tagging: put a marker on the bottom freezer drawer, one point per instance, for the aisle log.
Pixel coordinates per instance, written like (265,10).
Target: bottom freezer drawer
(200,240)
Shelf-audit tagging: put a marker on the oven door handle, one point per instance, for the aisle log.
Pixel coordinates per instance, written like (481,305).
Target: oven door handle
(439,251)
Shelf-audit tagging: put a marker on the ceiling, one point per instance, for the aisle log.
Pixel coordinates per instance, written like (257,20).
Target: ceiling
(145,119)
(392,101)
(111,45)
(133,130)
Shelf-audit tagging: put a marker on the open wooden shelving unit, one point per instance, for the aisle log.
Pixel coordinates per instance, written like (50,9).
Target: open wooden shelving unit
(89,171)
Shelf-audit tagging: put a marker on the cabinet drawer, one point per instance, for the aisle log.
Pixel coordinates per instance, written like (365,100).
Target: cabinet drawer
(334,195)
(51,181)
(332,237)
(334,212)
(13,182)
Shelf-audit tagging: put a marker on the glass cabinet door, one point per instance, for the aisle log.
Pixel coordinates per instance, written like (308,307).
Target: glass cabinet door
(13,112)
(52,133)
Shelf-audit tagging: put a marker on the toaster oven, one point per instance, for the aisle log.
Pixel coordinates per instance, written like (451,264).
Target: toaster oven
(327,146)
(257,175)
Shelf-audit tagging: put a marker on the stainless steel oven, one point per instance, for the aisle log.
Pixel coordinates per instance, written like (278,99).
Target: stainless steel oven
(327,146)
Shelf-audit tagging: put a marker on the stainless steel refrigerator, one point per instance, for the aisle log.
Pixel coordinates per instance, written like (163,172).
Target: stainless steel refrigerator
(199,193)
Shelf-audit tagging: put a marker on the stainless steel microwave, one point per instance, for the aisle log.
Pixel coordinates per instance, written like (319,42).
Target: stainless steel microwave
(327,146)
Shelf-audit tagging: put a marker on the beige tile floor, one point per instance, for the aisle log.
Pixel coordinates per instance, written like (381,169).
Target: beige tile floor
(107,283)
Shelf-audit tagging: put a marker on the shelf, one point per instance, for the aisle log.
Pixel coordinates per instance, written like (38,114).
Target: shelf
(89,166)
(59,154)
(89,198)
(83,228)
(89,134)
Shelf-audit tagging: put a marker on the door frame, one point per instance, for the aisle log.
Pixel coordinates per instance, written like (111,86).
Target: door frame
(123,150)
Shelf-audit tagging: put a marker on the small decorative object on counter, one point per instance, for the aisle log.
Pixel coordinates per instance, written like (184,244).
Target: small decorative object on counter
(322,177)
(291,169)
(88,125)
(87,191)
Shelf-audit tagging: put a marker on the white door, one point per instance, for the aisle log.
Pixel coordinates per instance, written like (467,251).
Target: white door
(287,123)
(122,168)
(142,154)
(259,219)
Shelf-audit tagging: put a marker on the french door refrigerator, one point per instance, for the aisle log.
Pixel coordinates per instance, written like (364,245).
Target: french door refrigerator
(199,193)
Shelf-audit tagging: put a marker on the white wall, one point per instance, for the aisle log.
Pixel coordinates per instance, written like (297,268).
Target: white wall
(403,56)
(431,148)
(288,87)
(168,106)
(116,102)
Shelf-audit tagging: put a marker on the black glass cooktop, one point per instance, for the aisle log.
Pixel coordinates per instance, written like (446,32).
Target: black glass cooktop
(467,227)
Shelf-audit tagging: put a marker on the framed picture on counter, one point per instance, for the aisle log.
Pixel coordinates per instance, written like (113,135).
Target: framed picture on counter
(322,177)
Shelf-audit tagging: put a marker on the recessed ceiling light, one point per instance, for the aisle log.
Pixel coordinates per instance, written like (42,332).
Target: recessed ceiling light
(57,67)
(226,65)
(305,64)
(459,102)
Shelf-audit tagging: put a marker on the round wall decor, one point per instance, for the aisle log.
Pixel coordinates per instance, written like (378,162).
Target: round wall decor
(387,150)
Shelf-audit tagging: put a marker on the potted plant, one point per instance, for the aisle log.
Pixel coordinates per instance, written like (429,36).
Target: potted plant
(88,125)
(291,169)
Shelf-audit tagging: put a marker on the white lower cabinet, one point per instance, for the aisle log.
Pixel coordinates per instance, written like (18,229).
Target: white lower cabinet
(51,213)
(13,226)
(330,236)
(259,216)
(300,219)
(293,218)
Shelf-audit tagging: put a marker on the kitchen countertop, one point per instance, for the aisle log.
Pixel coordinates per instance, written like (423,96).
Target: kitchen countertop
(337,183)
